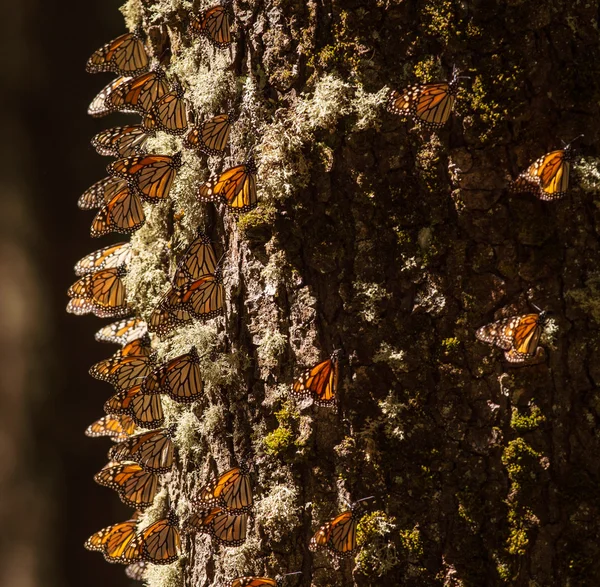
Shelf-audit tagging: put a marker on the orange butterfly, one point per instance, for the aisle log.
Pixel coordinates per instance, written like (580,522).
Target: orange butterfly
(117,428)
(236,187)
(259,581)
(123,214)
(320,382)
(338,536)
(100,193)
(151,176)
(169,113)
(121,141)
(145,409)
(214,25)
(179,378)
(427,104)
(101,293)
(232,491)
(203,298)
(199,260)
(153,450)
(226,528)
(114,541)
(124,55)
(547,177)
(160,542)
(122,332)
(106,258)
(102,104)
(140,93)
(211,137)
(135,486)
(518,336)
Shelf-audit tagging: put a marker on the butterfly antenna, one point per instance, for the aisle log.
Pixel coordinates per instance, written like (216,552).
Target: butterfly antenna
(294,573)
(536,307)
(363,499)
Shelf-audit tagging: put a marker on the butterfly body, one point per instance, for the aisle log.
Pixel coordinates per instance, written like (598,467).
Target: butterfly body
(211,137)
(228,529)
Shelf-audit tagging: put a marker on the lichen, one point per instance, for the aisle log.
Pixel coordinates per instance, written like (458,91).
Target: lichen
(378,554)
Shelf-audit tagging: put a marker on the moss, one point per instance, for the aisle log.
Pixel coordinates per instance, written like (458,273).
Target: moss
(378,554)
(165,575)
(450,344)
(278,511)
(257,225)
(278,441)
(587,172)
(527,422)
(520,522)
(271,348)
(439,19)
(521,462)
(410,541)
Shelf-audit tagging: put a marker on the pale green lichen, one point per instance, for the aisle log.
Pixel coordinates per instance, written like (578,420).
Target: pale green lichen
(271,348)
(378,554)
(164,575)
(369,297)
(278,512)
(587,172)
(394,357)
(394,425)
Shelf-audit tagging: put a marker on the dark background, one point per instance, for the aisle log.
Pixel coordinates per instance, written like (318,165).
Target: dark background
(50,503)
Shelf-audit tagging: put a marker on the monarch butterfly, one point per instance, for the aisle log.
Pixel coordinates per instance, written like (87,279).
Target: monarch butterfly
(135,486)
(123,214)
(114,541)
(151,176)
(100,193)
(180,378)
(211,137)
(136,571)
(122,332)
(320,382)
(202,298)
(547,177)
(259,581)
(226,528)
(102,293)
(338,535)
(162,321)
(117,428)
(153,450)
(106,258)
(427,104)
(130,371)
(121,141)
(199,260)
(169,113)
(124,55)
(145,409)
(107,369)
(139,93)
(161,543)
(102,104)
(518,336)
(236,187)
(231,491)
(214,25)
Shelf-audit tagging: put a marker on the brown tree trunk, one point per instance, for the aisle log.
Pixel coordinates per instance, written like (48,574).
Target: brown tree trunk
(393,244)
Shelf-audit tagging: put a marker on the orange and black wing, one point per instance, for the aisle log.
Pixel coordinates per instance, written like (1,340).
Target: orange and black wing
(151,176)
(199,260)
(144,409)
(152,450)
(140,93)
(236,187)
(169,113)
(101,193)
(226,528)
(121,141)
(252,582)
(122,332)
(123,214)
(161,543)
(117,428)
(211,137)
(338,536)
(135,486)
(106,258)
(320,382)
(547,177)
(103,292)
(124,55)
(214,24)
(102,104)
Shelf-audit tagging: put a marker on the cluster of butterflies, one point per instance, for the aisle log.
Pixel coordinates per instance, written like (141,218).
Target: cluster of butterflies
(430,105)
(144,449)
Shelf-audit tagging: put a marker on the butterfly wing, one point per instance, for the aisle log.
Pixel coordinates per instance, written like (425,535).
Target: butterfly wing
(198,261)
(102,104)
(140,93)
(124,55)
(252,582)
(137,571)
(135,486)
(338,536)
(226,528)
(161,543)
(169,114)
(152,450)
(117,428)
(211,138)
(121,141)
(122,332)
(101,193)
(124,214)
(214,25)
(236,187)
(320,383)
(104,291)
(109,257)
(519,335)
(151,176)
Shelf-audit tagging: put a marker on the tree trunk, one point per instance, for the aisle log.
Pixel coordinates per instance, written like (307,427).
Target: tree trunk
(394,244)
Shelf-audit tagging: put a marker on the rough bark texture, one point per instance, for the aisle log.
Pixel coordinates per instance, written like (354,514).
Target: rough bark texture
(393,244)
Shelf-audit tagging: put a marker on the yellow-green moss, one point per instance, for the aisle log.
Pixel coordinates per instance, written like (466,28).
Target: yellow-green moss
(378,554)
(253,223)
(521,462)
(525,422)
(278,441)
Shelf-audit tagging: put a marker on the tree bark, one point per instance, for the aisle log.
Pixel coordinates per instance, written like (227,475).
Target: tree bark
(393,244)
